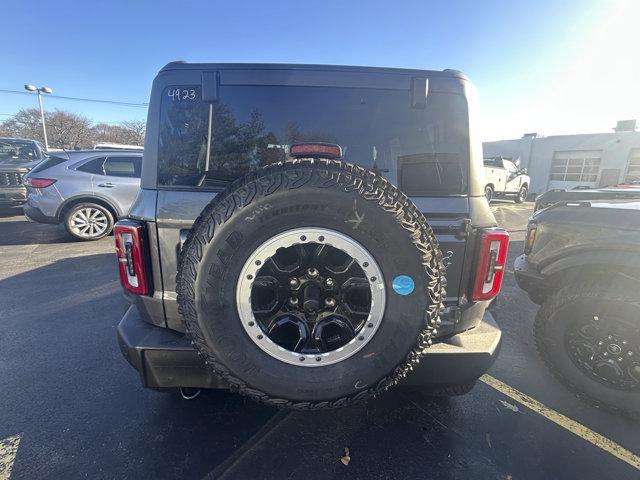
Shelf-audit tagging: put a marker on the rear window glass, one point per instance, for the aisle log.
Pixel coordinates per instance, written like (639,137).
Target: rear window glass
(48,163)
(253,126)
(95,166)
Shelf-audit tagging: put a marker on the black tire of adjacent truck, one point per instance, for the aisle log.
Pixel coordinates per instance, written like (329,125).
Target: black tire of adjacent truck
(325,194)
(488,193)
(522,195)
(604,300)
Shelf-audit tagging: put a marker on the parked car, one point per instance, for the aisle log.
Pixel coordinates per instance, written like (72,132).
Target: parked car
(505,178)
(582,265)
(17,157)
(265,252)
(87,191)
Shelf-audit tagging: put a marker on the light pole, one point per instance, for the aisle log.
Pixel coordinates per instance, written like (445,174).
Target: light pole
(40,91)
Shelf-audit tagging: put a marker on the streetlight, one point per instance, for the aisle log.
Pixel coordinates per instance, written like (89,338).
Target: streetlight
(40,91)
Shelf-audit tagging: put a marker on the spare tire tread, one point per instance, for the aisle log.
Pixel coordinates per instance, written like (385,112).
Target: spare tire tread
(329,174)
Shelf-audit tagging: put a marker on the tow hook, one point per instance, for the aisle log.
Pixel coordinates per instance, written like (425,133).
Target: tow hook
(189,393)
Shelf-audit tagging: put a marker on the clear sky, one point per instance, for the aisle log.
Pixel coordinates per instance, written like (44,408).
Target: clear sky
(547,66)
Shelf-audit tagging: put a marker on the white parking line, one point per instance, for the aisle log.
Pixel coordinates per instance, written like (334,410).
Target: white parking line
(8,450)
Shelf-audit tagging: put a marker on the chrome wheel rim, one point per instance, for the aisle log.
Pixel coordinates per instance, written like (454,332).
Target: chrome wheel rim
(89,222)
(325,311)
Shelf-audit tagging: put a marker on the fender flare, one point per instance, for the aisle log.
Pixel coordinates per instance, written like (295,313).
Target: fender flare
(88,198)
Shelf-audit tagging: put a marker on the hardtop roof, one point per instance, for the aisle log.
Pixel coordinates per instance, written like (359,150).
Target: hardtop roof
(182,65)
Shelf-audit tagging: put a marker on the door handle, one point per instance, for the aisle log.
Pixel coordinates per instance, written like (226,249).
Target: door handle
(106,185)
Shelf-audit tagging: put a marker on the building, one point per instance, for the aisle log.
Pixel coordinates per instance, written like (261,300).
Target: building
(568,161)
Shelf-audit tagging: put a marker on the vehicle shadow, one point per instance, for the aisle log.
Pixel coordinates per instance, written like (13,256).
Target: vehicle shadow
(17,230)
(10,211)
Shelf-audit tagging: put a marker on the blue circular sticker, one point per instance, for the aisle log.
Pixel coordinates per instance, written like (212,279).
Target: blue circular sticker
(403,285)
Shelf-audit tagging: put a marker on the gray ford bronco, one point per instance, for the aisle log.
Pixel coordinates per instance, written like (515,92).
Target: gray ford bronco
(310,236)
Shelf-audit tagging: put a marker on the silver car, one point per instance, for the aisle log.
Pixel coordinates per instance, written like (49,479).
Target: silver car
(87,191)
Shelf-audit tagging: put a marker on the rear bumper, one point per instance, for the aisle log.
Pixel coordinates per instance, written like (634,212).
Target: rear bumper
(13,195)
(166,359)
(36,215)
(460,359)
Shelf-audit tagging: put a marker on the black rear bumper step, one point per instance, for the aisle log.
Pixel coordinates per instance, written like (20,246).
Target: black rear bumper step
(165,358)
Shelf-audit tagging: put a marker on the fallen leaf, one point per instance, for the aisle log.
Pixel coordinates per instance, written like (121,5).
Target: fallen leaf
(345,459)
(509,406)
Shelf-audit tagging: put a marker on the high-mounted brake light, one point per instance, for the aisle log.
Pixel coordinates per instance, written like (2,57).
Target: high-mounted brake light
(132,258)
(494,244)
(39,182)
(326,150)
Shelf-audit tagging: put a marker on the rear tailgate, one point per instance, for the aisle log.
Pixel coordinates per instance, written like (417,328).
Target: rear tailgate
(177,210)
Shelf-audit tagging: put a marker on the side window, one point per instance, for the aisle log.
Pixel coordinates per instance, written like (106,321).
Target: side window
(490,162)
(510,166)
(122,167)
(94,166)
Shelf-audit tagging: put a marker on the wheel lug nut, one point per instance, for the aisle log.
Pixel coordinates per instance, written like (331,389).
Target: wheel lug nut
(619,359)
(600,343)
(609,337)
(630,353)
(624,342)
(606,354)
(294,283)
(329,283)
(293,301)
(330,302)
(312,272)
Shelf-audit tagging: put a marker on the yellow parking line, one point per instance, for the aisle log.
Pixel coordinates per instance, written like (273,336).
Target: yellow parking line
(574,427)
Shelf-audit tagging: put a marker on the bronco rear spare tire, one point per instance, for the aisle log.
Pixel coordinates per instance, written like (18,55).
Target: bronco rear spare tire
(313,283)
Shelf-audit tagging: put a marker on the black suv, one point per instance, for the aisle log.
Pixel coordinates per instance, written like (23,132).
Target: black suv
(295,231)
(17,157)
(582,265)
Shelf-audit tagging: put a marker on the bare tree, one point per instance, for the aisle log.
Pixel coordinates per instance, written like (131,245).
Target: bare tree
(137,129)
(70,130)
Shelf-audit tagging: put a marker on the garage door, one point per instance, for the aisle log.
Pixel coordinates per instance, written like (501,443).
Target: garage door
(570,169)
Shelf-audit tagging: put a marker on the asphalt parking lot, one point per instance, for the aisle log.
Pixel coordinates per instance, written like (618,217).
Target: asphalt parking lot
(71,407)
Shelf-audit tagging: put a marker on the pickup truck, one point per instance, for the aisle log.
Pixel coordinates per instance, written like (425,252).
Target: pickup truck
(505,178)
(581,263)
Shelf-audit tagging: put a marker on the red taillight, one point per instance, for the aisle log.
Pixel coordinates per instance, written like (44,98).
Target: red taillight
(39,182)
(327,150)
(132,259)
(494,244)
